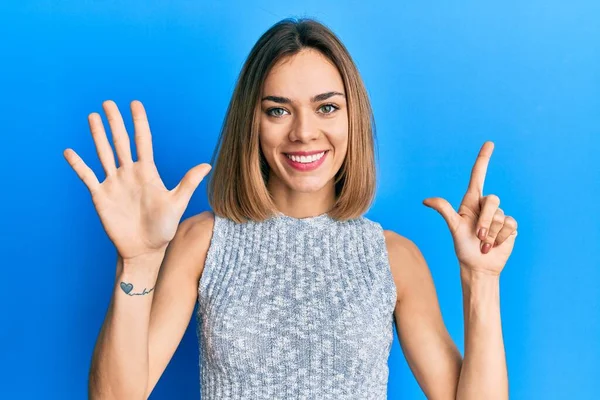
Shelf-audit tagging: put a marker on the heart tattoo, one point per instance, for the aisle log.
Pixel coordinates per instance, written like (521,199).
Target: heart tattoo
(128,287)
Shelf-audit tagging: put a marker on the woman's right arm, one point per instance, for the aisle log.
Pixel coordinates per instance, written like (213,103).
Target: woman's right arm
(141,217)
(150,326)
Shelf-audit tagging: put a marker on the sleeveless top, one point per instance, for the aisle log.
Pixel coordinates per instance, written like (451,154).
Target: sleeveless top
(295,309)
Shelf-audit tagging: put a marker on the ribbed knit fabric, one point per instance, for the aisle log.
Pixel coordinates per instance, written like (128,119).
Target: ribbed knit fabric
(295,309)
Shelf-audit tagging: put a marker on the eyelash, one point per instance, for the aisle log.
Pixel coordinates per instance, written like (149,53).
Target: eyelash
(335,108)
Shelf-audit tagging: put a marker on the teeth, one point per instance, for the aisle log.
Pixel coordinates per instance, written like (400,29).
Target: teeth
(306,159)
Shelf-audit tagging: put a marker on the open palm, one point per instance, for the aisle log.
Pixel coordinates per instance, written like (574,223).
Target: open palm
(139,214)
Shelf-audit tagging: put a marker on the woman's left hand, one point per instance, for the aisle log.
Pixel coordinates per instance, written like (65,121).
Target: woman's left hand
(483,235)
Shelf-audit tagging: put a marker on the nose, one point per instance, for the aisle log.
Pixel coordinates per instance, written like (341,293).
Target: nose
(305,127)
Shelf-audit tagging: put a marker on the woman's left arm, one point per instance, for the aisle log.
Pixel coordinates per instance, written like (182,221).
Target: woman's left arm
(483,240)
(429,350)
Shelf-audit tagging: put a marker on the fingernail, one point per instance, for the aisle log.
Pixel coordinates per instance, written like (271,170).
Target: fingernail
(482,233)
(486,248)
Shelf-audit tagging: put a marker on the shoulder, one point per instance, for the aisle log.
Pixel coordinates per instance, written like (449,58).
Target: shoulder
(198,229)
(397,243)
(407,263)
(199,224)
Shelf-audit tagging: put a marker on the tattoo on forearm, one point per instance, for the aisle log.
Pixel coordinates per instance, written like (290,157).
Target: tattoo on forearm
(128,287)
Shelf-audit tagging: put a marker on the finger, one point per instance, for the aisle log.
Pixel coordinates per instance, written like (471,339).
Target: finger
(119,133)
(508,228)
(480,168)
(185,189)
(84,172)
(143,136)
(495,227)
(445,209)
(105,152)
(489,206)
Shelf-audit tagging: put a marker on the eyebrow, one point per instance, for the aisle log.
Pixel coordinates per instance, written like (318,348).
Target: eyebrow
(319,97)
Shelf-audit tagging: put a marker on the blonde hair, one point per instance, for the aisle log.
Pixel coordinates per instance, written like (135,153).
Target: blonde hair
(237,186)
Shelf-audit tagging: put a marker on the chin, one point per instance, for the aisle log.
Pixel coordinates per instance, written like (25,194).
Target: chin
(307,185)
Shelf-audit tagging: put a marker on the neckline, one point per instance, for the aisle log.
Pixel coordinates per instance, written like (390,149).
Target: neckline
(313,220)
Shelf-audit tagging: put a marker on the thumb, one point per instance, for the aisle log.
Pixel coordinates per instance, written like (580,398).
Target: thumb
(185,189)
(445,209)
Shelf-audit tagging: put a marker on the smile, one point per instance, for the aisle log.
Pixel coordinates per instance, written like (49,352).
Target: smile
(306,163)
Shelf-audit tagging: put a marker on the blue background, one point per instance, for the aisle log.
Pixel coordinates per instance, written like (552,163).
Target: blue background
(443,78)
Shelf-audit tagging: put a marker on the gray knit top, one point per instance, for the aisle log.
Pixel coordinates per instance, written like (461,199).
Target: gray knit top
(295,309)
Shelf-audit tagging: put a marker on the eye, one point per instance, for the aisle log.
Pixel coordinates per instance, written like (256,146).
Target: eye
(269,113)
(278,112)
(333,108)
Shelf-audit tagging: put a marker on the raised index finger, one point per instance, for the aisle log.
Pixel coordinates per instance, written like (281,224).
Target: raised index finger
(480,168)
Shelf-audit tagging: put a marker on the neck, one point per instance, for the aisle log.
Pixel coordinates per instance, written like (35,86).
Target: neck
(302,204)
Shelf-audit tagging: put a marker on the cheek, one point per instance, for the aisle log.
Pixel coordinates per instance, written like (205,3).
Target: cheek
(267,141)
(339,140)
(338,132)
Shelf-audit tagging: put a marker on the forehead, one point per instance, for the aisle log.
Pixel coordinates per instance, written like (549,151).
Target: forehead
(303,75)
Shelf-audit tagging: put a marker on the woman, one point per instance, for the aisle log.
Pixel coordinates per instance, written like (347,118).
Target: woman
(297,290)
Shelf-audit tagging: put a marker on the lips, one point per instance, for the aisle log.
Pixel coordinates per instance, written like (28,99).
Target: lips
(305,153)
(306,166)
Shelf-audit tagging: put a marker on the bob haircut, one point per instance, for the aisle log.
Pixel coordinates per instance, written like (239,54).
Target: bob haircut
(237,187)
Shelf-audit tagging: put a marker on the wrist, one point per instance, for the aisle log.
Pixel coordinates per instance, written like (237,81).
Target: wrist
(144,263)
(144,258)
(469,274)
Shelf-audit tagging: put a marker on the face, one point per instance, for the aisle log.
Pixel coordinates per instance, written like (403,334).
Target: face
(303,122)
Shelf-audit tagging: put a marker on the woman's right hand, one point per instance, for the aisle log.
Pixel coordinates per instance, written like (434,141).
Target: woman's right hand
(139,214)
